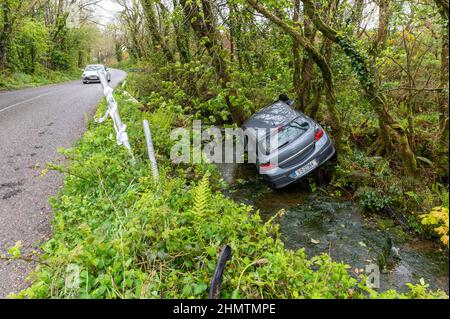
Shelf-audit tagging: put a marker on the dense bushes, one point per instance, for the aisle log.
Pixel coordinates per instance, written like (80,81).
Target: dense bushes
(194,89)
(134,238)
(39,44)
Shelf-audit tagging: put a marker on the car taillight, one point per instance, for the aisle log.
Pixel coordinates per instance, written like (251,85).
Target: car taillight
(318,135)
(267,166)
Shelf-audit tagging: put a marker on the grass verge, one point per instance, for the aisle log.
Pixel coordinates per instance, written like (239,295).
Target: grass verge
(19,80)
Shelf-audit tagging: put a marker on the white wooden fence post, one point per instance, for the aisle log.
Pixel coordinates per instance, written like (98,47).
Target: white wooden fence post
(151,151)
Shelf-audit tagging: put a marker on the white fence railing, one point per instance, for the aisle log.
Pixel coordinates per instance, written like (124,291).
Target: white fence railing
(120,128)
(113,111)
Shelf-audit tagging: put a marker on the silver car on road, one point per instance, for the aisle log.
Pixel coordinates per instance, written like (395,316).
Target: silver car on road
(90,74)
(302,145)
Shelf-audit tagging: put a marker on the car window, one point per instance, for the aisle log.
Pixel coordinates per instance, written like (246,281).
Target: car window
(286,134)
(94,68)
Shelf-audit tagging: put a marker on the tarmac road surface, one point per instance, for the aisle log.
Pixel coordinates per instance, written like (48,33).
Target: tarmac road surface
(33,124)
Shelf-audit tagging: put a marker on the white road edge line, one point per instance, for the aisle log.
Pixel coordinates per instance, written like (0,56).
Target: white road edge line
(19,103)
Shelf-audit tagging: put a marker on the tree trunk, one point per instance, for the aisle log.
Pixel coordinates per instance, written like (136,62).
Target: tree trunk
(357,15)
(296,59)
(203,24)
(5,35)
(411,85)
(182,35)
(152,26)
(376,99)
(33,58)
(317,95)
(318,59)
(384,13)
(444,74)
(307,65)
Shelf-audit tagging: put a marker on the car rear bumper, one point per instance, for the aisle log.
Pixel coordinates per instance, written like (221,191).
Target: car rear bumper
(91,79)
(281,177)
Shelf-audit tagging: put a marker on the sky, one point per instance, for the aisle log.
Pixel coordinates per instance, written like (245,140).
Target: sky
(107,10)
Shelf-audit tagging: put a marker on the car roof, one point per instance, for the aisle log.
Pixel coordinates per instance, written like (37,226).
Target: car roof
(273,115)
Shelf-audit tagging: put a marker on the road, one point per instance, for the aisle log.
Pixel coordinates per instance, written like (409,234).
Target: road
(33,124)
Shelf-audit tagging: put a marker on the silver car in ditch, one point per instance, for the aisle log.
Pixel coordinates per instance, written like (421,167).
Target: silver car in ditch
(302,145)
(90,74)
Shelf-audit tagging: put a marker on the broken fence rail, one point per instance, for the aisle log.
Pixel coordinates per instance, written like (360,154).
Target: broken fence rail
(113,111)
(120,128)
(122,139)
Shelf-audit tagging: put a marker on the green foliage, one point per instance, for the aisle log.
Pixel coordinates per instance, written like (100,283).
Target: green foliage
(438,218)
(14,251)
(134,239)
(39,46)
(30,47)
(372,201)
(192,90)
(201,197)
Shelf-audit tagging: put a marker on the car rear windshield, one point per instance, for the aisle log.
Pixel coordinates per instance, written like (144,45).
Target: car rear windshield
(286,134)
(93,67)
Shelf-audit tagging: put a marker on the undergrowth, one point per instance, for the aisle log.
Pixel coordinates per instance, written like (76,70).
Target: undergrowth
(134,238)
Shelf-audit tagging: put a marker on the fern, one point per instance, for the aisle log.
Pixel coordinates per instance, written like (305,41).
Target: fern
(201,196)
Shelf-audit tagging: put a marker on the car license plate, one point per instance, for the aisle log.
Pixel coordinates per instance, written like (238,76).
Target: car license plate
(304,169)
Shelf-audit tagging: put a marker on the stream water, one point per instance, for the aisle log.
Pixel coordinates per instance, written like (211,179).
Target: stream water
(320,223)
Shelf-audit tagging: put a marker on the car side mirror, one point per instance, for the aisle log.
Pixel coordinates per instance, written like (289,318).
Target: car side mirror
(283,97)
